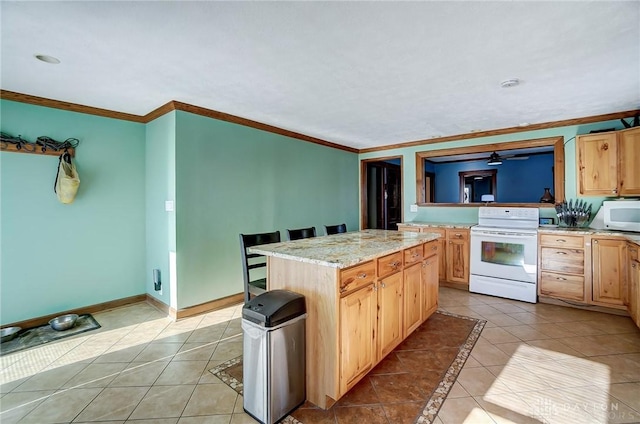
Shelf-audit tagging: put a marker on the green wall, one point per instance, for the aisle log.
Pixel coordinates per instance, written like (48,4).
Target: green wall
(160,184)
(470,214)
(232,179)
(56,257)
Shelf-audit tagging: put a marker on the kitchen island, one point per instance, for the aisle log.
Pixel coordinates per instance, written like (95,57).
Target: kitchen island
(365,292)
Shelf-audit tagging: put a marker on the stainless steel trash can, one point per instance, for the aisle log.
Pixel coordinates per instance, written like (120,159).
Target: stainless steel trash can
(273,370)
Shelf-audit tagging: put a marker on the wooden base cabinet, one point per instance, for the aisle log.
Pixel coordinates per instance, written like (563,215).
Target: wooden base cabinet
(633,303)
(357,315)
(586,269)
(561,265)
(357,335)
(453,253)
(609,278)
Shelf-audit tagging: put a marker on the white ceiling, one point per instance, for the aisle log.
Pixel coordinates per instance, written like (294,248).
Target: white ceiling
(360,74)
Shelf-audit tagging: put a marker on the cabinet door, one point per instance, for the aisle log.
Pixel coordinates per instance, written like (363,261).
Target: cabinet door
(634,293)
(458,261)
(429,286)
(389,314)
(597,164)
(629,158)
(357,335)
(609,271)
(412,298)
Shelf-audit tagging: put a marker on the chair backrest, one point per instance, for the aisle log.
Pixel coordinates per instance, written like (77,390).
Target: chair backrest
(335,229)
(301,233)
(252,261)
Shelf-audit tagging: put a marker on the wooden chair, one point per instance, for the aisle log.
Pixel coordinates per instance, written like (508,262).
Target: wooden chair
(252,262)
(301,233)
(335,229)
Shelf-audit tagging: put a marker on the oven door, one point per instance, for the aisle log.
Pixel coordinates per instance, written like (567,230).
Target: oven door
(510,255)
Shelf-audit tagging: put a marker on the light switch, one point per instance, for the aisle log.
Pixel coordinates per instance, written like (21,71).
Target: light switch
(413,208)
(168,205)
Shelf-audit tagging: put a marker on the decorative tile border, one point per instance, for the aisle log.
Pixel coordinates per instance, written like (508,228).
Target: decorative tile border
(434,404)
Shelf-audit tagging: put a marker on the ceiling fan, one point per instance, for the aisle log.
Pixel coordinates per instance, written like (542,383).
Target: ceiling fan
(496,159)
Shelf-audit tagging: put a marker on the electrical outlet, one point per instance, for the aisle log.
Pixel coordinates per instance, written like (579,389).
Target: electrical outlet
(413,208)
(157,281)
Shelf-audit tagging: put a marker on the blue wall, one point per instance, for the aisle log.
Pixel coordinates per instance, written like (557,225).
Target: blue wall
(518,181)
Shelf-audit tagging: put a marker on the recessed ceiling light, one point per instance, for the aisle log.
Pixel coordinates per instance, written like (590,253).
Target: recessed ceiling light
(510,83)
(48,59)
(523,124)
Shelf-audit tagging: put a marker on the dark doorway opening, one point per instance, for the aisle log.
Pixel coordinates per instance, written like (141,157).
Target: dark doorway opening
(382,193)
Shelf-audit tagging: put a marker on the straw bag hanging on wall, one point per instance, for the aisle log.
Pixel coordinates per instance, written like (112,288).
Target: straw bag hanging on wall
(67,179)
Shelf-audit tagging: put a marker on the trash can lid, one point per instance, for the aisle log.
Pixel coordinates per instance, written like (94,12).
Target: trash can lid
(274,307)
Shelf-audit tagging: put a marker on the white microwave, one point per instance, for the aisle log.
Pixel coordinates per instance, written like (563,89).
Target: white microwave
(622,215)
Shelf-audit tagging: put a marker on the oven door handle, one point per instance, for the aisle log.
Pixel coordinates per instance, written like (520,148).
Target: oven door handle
(502,235)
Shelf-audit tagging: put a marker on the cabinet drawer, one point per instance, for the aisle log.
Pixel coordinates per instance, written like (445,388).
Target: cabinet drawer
(431,248)
(389,264)
(413,254)
(453,234)
(441,231)
(357,276)
(411,228)
(560,240)
(562,285)
(562,260)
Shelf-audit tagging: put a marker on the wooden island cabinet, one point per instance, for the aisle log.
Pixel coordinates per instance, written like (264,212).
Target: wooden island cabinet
(365,292)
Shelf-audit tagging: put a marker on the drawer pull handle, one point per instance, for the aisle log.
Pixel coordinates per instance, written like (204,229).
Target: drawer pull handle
(415,255)
(561,278)
(561,240)
(362,275)
(434,248)
(458,235)
(394,264)
(561,253)
(382,285)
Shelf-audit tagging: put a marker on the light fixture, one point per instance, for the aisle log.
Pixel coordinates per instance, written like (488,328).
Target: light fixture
(494,159)
(47,59)
(477,177)
(512,82)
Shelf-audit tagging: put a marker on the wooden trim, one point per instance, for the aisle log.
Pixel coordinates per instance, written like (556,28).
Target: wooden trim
(98,307)
(584,306)
(510,130)
(158,112)
(213,305)
(209,113)
(556,142)
(73,107)
(37,151)
(363,186)
(164,109)
(159,305)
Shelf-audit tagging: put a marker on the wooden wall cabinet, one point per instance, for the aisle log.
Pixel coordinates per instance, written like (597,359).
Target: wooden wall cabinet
(609,278)
(607,163)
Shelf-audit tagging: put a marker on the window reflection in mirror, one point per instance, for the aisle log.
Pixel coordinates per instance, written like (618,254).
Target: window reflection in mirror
(526,169)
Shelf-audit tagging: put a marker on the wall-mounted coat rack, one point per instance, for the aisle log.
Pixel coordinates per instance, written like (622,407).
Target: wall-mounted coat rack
(42,145)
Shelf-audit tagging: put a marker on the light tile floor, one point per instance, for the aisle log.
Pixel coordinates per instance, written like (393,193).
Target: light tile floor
(533,364)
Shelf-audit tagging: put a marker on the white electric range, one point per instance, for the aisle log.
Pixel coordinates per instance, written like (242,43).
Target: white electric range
(504,253)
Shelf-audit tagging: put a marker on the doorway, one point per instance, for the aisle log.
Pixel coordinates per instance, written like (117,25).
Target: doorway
(382,193)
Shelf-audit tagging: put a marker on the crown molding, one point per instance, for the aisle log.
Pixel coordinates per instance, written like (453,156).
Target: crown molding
(510,130)
(210,113)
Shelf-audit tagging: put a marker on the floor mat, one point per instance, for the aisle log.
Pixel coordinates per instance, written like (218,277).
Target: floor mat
(408,386)
(44,334)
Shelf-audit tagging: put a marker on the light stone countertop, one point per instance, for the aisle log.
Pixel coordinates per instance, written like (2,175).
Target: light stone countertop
(346,249)
(586,231)
(438,224)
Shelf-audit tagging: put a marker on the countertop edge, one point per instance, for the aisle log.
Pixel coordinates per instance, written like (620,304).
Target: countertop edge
(427,224)
(422,238)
